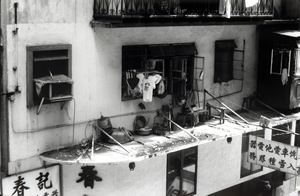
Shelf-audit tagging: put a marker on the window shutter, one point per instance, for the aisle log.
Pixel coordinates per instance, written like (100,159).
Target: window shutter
(224,60)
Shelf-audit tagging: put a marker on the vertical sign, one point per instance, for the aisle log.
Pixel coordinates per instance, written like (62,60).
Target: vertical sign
(40,182)
(275,155)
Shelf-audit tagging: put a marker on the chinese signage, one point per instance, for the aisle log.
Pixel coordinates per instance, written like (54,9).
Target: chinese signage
(274,155)
(42,182)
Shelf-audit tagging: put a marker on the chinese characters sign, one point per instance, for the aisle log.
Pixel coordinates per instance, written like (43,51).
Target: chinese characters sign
(42,182)
(275,155)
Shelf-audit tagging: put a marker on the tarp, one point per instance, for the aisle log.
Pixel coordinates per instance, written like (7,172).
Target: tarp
(54,79)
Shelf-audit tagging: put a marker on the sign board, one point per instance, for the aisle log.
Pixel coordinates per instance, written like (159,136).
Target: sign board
(45,181)
(275,155)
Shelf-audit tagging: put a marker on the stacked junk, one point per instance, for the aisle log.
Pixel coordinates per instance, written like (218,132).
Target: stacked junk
(162,124)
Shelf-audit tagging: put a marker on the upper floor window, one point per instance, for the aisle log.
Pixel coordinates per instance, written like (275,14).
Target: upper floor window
(48,74)
(280,61)
(174,63)
(224,50)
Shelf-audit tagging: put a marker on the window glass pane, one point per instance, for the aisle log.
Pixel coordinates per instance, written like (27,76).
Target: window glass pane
(189,171)
(286,59)
(276,61)
(173,173)
(182,172)
(280,136)
(224,60)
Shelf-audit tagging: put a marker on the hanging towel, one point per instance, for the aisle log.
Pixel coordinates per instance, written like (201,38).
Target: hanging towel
(250,3)
(284,76)
(140,76)
(225,8)
(161,88)
(222,6)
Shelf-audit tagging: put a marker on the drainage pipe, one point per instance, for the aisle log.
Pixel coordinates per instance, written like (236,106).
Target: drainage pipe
(4,143)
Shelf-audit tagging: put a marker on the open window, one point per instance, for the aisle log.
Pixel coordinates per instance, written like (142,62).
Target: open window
(280,60)
(173,62)
(224,51)
(182,172)
(48,74)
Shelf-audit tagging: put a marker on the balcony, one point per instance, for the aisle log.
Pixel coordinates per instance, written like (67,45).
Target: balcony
(181,11)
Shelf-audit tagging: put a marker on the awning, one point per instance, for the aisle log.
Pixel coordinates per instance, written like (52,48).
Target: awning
(294,33)
(145,147)
(55,79)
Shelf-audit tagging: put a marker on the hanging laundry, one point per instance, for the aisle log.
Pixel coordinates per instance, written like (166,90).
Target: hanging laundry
(284,76)
(225,8)
(148,85)
(157,78)
(141,77)
(250,3)
(161,88)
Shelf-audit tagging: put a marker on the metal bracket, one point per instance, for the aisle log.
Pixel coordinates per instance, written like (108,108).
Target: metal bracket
(9,95)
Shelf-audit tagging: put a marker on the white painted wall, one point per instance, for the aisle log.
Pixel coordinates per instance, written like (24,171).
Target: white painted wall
(96,71)
(148,178)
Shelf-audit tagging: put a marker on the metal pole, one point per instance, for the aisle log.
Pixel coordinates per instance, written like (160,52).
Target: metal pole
(3,98)
(181,128)
(227,107)
(114,140)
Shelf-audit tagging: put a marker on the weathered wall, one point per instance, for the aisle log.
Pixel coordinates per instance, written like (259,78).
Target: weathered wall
(96,71)
(148,178)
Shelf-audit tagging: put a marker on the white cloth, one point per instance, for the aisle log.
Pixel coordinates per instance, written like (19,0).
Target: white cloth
(284,76)
(249,3)
(140,76)
(157,78)
(161,88)
(148,86)
(225,8)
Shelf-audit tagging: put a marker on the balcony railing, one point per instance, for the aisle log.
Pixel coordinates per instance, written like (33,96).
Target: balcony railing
(182,9)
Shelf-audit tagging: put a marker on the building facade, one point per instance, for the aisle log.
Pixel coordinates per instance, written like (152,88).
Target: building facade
(90,53)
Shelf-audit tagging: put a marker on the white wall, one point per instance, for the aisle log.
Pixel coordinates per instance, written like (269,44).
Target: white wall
(148,178)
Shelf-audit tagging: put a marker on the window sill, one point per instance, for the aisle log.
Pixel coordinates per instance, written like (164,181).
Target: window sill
(113,23)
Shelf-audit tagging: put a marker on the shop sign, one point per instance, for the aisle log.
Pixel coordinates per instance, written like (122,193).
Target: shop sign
(275,155)
(41,182)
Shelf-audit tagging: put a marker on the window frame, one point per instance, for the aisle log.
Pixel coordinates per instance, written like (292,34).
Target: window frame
(183,156)
(223,67)
(282,66)
(31,102)
(136,57)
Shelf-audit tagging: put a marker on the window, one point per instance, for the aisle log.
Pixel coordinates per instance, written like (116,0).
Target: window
(224,50)
(280,59)
(280,136)
(246,167)
(48,74)
(182,172)
(173,62)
